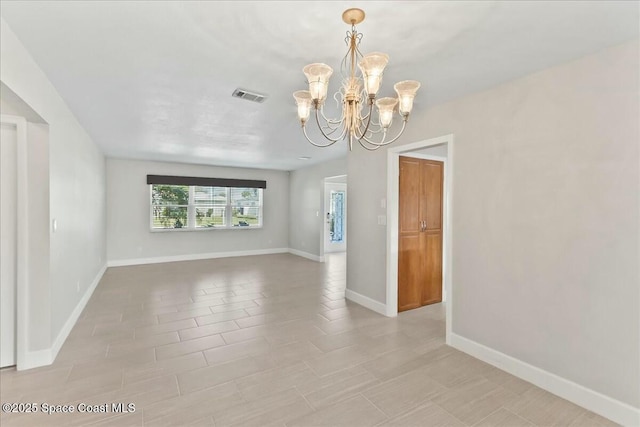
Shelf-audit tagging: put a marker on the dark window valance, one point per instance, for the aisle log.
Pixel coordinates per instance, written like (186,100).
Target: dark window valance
(205,182)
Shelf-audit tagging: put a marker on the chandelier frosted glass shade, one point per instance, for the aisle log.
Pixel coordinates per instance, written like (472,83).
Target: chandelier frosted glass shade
(406,91)
(318,77)
(304,100)
(372,66)
(385,110)
(363,118)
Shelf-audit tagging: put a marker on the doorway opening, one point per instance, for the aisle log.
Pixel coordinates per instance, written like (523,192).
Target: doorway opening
(335,214)
(24,255)
(13,237)
(440,149)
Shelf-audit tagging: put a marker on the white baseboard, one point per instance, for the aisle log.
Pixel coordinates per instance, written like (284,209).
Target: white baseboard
(307,255)
(73,318)
(193,257)
(367,302)
(35,359)
(594,401)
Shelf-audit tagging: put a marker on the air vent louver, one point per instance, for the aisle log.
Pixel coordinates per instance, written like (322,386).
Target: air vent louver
(248,95)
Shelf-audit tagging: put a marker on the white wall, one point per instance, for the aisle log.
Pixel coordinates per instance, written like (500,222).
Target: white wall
(545,219)
(12,104)
(76,184)
(40,310)
(305,209)
(38,242)
(131,241)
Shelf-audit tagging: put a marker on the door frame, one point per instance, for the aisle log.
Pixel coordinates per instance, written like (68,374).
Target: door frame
(444,196)
(324,209)
(393,182)
(22,233)
(327,207)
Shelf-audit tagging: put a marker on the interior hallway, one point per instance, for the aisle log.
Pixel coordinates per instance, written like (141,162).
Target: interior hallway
(268,340)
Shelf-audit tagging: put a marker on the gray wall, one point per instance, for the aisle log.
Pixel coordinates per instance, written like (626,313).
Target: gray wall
(545,218)
(128,213)
(38,292)
(306,198)
(76,184)
(39,240)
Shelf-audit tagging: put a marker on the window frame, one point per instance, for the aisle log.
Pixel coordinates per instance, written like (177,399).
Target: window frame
(191,224)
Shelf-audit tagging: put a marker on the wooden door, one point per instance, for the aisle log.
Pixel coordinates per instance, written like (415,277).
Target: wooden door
(432,176)
(420,233)
(409,251)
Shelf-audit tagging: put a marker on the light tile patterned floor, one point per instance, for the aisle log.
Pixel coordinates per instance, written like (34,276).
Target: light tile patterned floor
(268,340)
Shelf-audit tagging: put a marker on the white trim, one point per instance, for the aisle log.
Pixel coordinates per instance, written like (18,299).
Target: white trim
(35,359)
(425,156)
(323,223)
(594,401)
(73,317)
(23,332)
(327,187)
(193,257)
(307,255)
(365,301)
(393,171)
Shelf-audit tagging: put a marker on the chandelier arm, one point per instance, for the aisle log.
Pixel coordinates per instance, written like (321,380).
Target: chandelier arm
(304,130)
(376,130)
(331,121)
(383,142)
(364,131)
(366,147)
(377,144)
(329,130)
(341,137)
(366,117)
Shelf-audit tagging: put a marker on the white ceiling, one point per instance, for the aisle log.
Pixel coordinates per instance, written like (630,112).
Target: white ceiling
(153,80)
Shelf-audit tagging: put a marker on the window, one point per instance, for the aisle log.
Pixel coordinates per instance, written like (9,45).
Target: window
(170,206)
(194,207)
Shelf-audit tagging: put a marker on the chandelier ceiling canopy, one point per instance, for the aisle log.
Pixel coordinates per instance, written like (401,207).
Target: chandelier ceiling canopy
(361,81)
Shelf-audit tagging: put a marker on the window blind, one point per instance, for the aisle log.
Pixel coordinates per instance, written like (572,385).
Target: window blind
(205,182)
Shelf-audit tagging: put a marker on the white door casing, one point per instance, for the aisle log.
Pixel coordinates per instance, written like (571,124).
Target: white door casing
(393,157)
(335,240)
(8,244)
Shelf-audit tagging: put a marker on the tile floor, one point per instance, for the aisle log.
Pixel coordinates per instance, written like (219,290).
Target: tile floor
(267,340)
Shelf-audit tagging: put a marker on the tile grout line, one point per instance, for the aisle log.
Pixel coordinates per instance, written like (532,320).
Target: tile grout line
(374,405)
(440,406)
(313,408)
(488,415)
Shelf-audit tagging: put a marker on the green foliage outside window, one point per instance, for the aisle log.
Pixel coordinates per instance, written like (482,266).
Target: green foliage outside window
(170,205)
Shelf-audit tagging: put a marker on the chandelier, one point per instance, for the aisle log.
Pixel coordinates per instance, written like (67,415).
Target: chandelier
(361,80)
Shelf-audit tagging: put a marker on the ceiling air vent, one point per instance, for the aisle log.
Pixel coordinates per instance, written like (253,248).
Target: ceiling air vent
(248,95)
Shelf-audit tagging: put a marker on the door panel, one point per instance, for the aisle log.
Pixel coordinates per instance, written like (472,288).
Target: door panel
(432,268)
(409,195)
(409,272)
(432,178)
